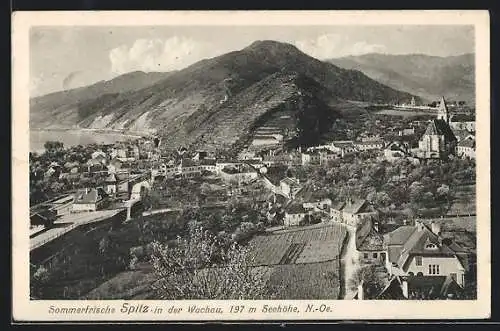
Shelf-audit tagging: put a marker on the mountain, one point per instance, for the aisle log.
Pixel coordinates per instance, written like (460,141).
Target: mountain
(429,77)
(53,107)
(222,100)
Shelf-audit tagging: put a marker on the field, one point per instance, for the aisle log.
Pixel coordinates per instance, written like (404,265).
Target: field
(402,113)
(465,201)
(307,281)
(302,245)
(303,262)
(134,284)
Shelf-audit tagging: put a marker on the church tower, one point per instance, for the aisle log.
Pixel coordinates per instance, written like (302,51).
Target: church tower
(443,111)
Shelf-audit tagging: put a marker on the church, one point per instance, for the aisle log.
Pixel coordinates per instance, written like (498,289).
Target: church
(438,141)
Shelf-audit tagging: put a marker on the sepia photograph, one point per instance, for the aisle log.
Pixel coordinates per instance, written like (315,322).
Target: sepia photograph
(245,162)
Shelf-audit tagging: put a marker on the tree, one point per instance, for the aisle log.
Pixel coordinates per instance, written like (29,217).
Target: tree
(203,267)
(52,146)
(38,280)
(373,283)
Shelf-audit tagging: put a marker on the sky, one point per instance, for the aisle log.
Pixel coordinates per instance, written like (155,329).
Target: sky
(69,57)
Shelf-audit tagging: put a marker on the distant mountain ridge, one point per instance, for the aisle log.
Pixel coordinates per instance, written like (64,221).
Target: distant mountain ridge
(218,101)
(429,77)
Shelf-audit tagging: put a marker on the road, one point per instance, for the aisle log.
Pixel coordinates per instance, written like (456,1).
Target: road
(159,211)
(348,261)
(69,222)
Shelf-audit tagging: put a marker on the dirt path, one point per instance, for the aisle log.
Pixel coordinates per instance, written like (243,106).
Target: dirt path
(348,262)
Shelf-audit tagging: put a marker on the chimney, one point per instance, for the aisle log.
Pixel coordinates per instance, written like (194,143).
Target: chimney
(361,291)
(404,287)
(436,228)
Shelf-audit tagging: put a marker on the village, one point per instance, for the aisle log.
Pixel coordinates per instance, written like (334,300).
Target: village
(395,199)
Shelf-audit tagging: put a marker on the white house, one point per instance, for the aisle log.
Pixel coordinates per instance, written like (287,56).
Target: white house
(463,122)
(419,251)
(355,212)
(395,151)
(369,145)
(294,213)
(467,148)
(89,200)
(290,187)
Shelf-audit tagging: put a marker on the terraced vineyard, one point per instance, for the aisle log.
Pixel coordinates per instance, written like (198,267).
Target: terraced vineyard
(307,281)
(304,245)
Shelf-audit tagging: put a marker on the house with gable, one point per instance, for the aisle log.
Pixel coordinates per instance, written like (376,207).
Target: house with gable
(395,151)
(356,211)
(336,211)
(415,288)
(87,200)
(438,141)
(370,243)
(466,148)
(463,122)
(294,214)
(110,183)
(420,251)
(290,187)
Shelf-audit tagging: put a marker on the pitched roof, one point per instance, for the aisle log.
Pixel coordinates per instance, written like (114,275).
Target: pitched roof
(431,286)
(295,208)
(289,181)
(369,142)
(343,144)
(400,235)
(115,160)
(440,127)
(208,162)
(357,207)
(110,179)
(471,143)
(373,241)
(188,163)
(338,205)
(89,196)
(413,241)
(444,129)
(437,286)
(396,146)
(463,118)
(431,129)
(442,105)
(461,134)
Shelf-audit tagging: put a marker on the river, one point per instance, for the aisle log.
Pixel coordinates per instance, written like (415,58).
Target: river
(74,137)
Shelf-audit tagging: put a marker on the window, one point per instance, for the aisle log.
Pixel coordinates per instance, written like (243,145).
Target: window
(375,255)
(433,269)
(430,246)
(418,260)
(365,255)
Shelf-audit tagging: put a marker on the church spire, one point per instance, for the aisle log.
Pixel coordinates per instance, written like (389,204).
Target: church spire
(443,111)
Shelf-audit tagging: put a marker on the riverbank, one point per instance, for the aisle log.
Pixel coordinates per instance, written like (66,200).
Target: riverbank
(135,134)
(73,137)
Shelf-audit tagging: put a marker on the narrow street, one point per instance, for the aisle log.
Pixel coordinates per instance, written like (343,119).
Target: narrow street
(348,263)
